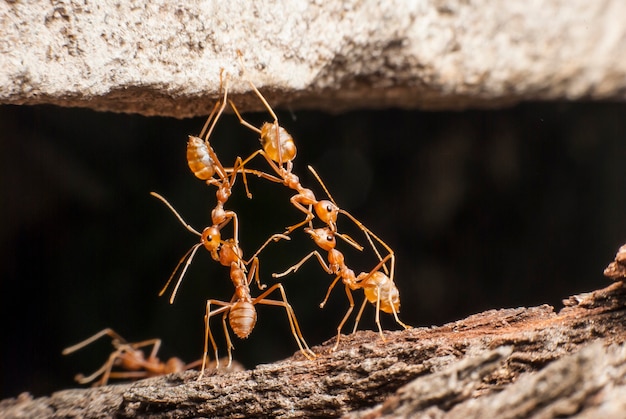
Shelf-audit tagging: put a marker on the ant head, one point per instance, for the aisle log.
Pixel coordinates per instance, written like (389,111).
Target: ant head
(323,237)
(326,211)
(272,134)
(211,238)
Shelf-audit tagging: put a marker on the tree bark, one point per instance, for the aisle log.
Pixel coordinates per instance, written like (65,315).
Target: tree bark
(508,363)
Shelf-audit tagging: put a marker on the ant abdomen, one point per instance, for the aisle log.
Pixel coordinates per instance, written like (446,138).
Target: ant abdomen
(242,318)
(198,158)
(377,287)
(285,141)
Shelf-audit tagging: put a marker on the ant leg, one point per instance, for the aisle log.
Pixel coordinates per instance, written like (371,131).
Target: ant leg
(238,166)
(345,317)
(219,113)
(395,315)
(243,121)
(296,202)
(358,316)
(330,288)
(295,267)
(108,331)
(255,260)
(191,253)
(291,316)
(273,238)
(192,365)
(210,118)
(380,329)
(229,344)
(257,173)
(245,75)
(104,370)
(208,334)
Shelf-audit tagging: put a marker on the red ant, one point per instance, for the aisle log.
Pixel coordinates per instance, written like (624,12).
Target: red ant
(379,287)
(131,358)
(211,239)
(205,164)
(279,150)
(240,310)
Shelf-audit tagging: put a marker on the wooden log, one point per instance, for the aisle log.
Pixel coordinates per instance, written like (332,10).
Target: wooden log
(517,362)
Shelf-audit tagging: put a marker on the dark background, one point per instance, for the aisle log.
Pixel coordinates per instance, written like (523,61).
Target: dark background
(485,209)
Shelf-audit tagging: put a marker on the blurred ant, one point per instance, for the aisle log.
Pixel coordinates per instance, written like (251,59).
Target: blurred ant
(129,357)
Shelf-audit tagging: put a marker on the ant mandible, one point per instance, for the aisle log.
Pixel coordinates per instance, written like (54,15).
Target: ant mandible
(130,357)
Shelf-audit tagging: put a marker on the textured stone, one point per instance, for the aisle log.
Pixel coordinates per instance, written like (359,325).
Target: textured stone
(164,58)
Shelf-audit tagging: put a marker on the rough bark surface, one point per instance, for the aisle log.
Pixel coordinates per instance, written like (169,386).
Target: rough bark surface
(164,58)
(509,363)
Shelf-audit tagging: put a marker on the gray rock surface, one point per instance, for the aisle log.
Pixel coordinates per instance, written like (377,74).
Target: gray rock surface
(164,58)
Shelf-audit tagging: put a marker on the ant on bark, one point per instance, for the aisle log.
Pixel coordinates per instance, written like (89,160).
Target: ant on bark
(130,357)
(379,287)
(240,310)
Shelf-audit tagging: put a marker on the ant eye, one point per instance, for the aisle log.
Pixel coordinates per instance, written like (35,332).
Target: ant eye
(329,208)
(329,238)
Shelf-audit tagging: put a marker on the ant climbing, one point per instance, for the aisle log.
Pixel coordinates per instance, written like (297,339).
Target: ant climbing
(211,239)
(279,150)
(241,310)
(378,287)
(129,357)
(205,164)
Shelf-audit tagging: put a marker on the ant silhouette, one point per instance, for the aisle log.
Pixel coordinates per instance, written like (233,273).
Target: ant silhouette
(129,357)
